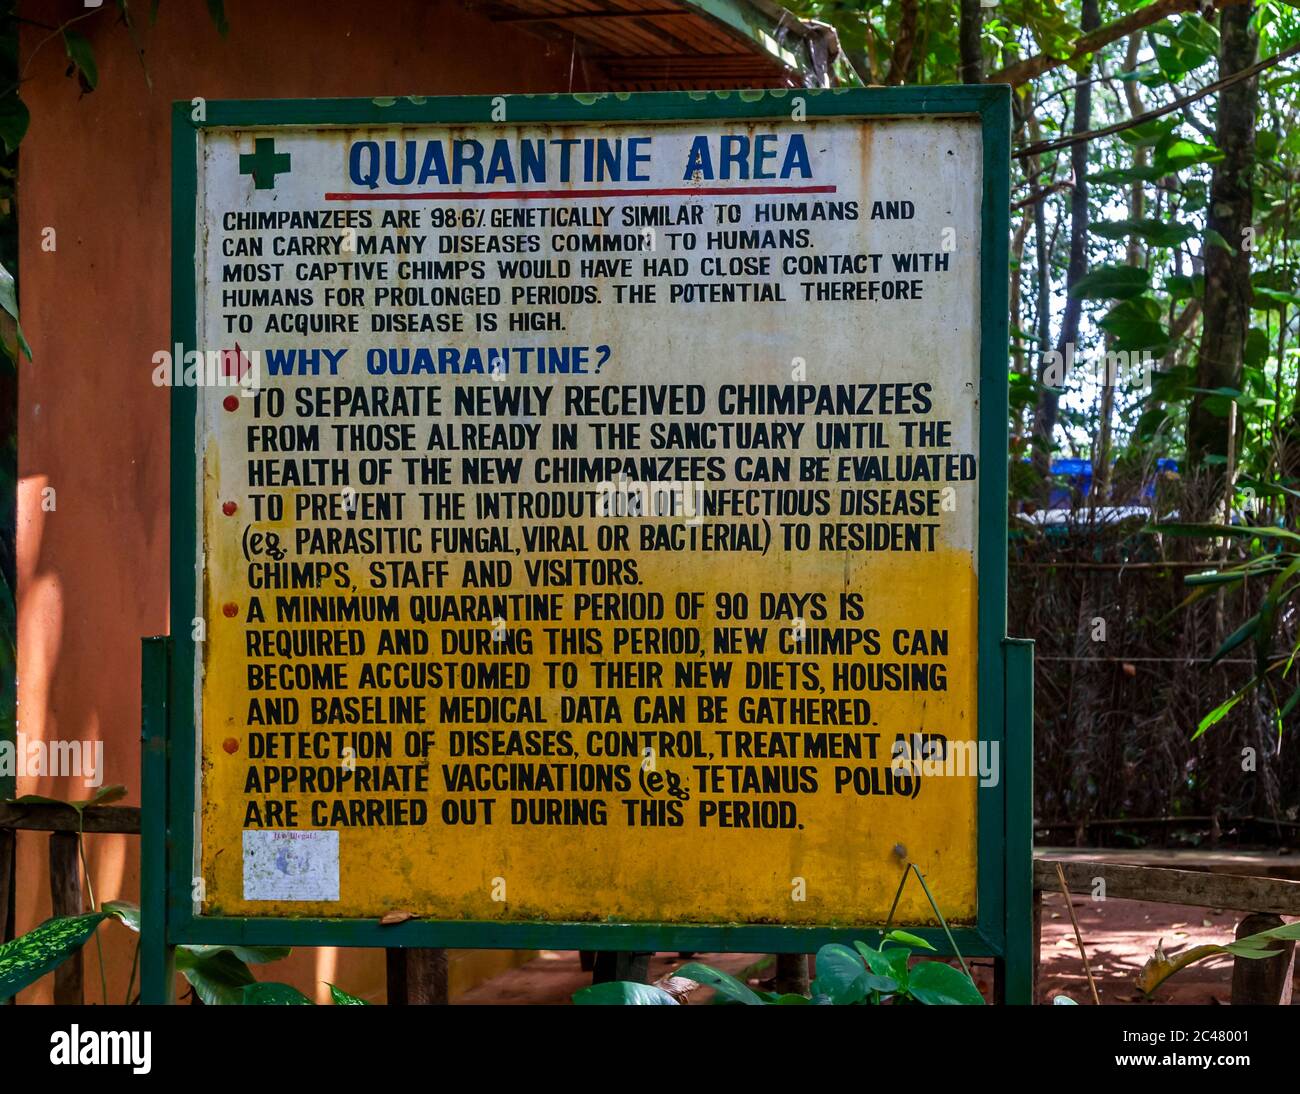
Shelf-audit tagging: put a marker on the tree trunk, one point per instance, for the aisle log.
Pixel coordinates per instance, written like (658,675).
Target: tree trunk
(1227,273)
(969,29)
(1101,452)
(901,64)
(1137,192)
(1018,343)
(1048,402)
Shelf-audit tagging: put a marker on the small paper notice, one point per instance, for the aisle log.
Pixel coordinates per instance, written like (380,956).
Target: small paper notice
(291,865)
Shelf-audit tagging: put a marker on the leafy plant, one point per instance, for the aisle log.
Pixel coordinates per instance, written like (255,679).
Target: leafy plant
(1280,562)
(1159,967)
(25,959)
(860,975)
(219,975)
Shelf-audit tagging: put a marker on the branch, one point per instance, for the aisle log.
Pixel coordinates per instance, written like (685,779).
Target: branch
(1218,85)
(1183,323)
(1036,196)
(1021,72)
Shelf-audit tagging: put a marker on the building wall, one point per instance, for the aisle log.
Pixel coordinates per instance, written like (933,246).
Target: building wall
(94,168)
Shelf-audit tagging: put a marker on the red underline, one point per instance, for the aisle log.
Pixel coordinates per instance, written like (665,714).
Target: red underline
(524,195)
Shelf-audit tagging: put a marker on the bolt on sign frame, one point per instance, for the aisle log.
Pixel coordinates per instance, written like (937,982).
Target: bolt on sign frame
(1004,675)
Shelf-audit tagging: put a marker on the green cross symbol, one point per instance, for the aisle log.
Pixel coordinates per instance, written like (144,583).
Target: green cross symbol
(264,163)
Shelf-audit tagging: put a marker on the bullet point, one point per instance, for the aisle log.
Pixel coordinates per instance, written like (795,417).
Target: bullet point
(229,508)
(231,402)
(230,745)
(230,610)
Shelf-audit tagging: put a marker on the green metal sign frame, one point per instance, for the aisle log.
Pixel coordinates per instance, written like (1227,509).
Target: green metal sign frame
(1002,928)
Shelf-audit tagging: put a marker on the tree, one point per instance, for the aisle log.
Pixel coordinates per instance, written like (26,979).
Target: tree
(1227,250)
(970,29)
(1048,400)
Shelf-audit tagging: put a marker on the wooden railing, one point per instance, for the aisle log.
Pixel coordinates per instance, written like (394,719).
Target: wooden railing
(64,826)
(1265,899)
(415,976)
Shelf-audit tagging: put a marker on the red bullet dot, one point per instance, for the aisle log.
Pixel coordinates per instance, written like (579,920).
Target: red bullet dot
(230,610)
(230,745)
(229,508)
(231,402)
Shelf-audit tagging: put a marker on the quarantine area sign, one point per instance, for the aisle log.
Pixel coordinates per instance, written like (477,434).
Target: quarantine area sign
(592,512)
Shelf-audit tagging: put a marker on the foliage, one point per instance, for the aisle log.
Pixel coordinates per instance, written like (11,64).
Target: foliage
(1160,967)
(857,976)
(219,975)
(25,959)
(1275,556)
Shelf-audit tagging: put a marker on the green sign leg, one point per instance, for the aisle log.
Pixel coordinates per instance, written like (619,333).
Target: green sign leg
(157,958)
(1018,770)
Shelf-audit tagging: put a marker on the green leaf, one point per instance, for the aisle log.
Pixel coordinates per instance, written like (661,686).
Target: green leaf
(1249,952)
(841,975)
(9,302)
(937,984)
(898,970)
(343,999)
(1178,154)
(1124,176)
(1268,612)
(1215,577)
(1149,132)
(125,911)
(1236,638)
(1159,233)
(1064,1001)
(723,983)
(252,955)
(1266,299)
(1217,531)
(623,993)
(270,993)
(102,796)
(14,120)
(1214,239)
(907,939)
(1183,287)
(879,978)
(1135,325)
(82,57)
(219,978)
(1112,283)
(29,957)
(1290,705)
(1220,712)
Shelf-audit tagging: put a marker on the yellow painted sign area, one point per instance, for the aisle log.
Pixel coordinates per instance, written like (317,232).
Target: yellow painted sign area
(593,535)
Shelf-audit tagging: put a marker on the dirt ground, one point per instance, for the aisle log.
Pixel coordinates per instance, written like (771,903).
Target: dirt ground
(1119,935)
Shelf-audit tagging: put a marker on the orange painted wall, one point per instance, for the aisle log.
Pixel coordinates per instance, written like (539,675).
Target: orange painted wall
(93,571)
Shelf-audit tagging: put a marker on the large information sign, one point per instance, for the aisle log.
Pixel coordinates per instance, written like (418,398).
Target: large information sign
(591,512)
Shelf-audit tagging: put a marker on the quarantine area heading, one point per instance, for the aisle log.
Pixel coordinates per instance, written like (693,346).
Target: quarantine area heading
(563,160)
